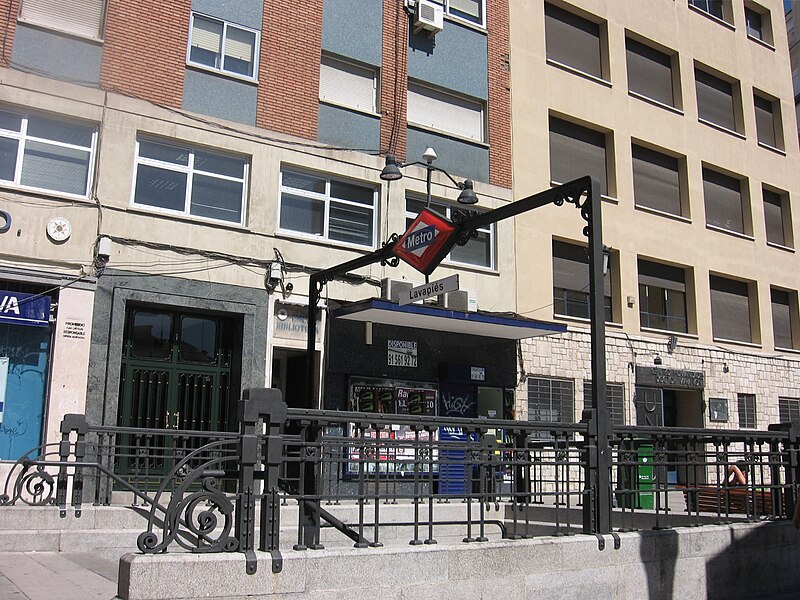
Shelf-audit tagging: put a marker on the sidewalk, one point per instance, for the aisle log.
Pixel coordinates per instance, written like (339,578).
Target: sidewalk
(56,576)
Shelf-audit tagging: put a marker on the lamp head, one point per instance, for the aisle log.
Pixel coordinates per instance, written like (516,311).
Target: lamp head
(391,171)
(467,195)
(429,155)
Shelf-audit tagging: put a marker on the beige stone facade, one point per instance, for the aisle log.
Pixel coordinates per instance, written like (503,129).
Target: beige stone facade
(689,40)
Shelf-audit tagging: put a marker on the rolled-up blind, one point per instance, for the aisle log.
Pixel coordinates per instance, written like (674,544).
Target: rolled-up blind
(81,17)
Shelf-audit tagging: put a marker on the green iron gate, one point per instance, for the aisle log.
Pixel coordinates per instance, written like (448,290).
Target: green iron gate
(177,373)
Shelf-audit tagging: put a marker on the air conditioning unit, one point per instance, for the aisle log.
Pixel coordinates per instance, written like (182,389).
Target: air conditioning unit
(391,288)
(429,17)
(462,300)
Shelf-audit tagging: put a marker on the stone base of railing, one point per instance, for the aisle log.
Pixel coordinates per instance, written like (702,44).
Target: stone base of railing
(752,560)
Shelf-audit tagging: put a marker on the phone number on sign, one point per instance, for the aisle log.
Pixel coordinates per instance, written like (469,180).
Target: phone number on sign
(401,359)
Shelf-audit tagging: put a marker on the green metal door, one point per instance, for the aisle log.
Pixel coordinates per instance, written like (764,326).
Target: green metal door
(176,374)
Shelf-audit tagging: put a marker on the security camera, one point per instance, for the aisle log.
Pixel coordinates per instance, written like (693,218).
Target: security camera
(429,155)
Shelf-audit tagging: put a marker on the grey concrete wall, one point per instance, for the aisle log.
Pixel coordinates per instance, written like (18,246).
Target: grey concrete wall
(348,129)
(115,289)
(244,12)
(734,561)
(353,28)
(454,59)
(220,96)
(57,55)
(458,157)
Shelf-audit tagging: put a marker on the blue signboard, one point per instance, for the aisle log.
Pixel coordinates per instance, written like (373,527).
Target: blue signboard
(17,308)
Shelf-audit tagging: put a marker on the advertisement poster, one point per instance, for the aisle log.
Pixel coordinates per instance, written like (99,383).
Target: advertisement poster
(393,453)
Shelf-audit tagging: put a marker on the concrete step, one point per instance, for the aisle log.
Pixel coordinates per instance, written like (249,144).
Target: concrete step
(112,531)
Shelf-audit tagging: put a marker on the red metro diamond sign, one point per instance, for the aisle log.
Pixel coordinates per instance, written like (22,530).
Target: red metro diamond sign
(425,242)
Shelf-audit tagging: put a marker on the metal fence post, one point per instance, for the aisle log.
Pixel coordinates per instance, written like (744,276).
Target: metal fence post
(71,423)
(267,405)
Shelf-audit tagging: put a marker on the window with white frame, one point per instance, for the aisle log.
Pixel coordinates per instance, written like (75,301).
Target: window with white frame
(181,179)
(46,153)
(346,84)
(222,46)
(327,208)
(78,17)
(478,251)
(433,109)
(473,11)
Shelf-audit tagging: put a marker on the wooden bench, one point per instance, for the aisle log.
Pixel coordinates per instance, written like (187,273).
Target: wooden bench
(731,500)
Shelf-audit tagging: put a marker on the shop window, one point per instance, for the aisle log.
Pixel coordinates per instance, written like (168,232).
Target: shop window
(615,398)
(479,251)
(78,17)
(730,310)
(788,410)
(650,72)
(662,297)
(576,151)
(551,400)
(783,317)
(184,180)
(656,180)
(717,101)
(224,47)
(768,121)
(330,209)
(571,282)
(346,84)
(445,112)
(722,195)
(747,411)
(574,42)
(777,218)
(45,153)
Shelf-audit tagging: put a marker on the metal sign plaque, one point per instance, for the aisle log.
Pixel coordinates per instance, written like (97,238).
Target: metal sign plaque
(434,288)
(425,242)
(670,378)
(17,308)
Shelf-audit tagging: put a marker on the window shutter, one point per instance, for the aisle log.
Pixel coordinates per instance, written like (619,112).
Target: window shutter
(649,72)
(656,180)
(576,151)
(571,268)
(781,319)
(207,35)
(572,40)
(459,116)
(723,201)
(81,17)
(239,44)
(765,121)
(730,309)
(662,276)
(346,84)
(715,100)
(773,217)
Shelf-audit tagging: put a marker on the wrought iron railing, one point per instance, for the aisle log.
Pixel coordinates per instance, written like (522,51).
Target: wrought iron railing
(379,479)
